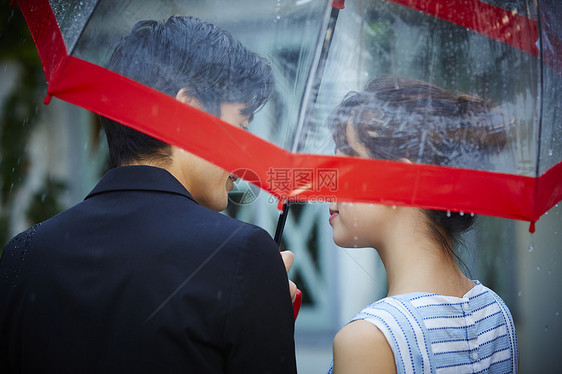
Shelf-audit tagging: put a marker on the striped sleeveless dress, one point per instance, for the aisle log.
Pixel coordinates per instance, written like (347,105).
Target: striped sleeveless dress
(431,333)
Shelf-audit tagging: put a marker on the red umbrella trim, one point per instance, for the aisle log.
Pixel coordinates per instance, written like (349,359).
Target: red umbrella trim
(428,186)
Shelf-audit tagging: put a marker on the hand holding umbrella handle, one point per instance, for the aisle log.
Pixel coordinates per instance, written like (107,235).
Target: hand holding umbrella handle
(296,294)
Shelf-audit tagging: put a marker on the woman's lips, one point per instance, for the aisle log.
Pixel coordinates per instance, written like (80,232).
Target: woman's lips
(232,178)
(333,214)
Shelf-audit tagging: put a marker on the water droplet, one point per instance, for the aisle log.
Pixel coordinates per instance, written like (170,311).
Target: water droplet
(43,197)
(531,247)
(355,238)
(546,328)
(557,314)
(461,213)
(472,214)
(550,152)
(519,293)
(394,207)
(448,213)
(538,267)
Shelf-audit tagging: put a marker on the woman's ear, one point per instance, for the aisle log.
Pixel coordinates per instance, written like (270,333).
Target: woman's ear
(185,97)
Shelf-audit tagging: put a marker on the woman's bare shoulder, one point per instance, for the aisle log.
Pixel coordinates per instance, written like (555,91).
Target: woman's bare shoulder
(360,347)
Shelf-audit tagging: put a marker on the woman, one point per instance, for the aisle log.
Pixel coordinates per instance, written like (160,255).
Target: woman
(434,319)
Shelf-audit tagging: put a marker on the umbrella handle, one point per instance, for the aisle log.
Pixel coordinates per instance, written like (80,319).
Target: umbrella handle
(297,304)
(278,234)
(281,223)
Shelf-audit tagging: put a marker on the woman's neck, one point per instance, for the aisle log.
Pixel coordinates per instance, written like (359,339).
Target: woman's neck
(425,273)
(415,262)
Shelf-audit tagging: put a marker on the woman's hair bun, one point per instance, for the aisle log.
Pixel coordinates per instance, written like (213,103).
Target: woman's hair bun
(482,125)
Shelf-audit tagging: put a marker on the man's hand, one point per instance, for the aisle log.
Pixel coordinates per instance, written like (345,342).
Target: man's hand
(288,258)
(296,294)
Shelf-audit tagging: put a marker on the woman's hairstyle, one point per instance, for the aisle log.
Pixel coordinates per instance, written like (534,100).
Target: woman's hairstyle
(401,118)
(185,52)
(396,118)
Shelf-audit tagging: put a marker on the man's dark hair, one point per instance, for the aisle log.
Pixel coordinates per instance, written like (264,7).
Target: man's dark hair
(184,52)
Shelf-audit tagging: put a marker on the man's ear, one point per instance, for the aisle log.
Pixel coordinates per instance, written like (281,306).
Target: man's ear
(185,97)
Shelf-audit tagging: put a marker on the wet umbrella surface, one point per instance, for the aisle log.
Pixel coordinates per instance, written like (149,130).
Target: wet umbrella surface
(504,51)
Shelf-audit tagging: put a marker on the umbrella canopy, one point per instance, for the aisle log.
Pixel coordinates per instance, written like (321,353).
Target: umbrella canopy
(507,51)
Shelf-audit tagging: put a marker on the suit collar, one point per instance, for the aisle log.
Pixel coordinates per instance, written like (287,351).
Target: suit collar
(139,178)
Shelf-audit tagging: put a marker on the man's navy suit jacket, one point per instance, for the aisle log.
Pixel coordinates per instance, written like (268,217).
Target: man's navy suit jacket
(139,278)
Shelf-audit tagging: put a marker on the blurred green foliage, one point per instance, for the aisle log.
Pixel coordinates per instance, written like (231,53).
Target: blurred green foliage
(19,116)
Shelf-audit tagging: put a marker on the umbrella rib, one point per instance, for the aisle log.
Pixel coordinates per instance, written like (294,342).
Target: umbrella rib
(71,50)
(311,88)
(323,44)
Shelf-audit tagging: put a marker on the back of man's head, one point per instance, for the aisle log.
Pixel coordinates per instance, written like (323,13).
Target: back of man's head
(184,53)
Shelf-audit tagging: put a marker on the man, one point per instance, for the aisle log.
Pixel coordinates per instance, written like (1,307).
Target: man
(144,275)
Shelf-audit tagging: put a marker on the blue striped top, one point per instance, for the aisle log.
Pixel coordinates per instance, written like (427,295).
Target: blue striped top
(431,333)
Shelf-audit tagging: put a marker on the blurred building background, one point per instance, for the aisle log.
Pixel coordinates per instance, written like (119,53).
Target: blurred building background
(52,156)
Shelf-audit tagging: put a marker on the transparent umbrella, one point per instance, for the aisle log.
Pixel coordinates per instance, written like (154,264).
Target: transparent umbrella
(505,50)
